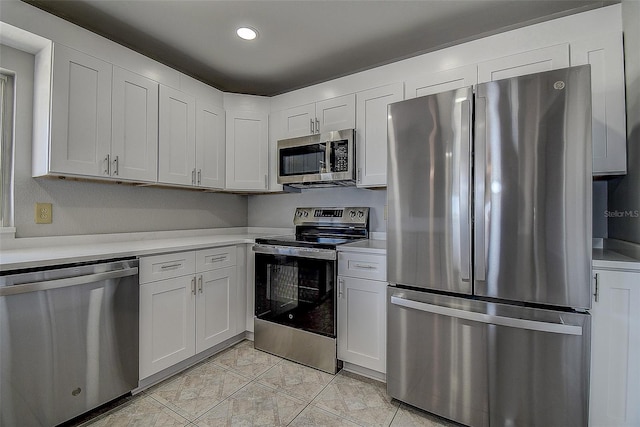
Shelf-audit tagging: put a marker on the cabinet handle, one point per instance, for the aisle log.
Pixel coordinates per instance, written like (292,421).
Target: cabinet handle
(170,266)
(193,176)
(115,166)
(107,164)
(368,267)
(340,287)
(218,258)
(317,125)
(200,284)
(359,175)
(199,176)
(311,128)
(193,285)
(595,294)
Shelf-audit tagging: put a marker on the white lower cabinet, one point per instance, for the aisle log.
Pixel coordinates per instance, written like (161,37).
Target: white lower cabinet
(615,349)
(188,304)
(362,310)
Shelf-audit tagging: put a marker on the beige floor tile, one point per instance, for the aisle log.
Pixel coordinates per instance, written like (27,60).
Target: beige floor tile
(296,380)
(358,399)
(246,360)
(316,417)
(197,390)
(142,411)
(409,416)
(254,405)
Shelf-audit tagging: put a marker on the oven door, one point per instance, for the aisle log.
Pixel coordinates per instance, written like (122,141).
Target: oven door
(295,287)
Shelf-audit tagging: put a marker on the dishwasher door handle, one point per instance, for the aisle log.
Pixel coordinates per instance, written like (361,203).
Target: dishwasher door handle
(65,282)
(533,325)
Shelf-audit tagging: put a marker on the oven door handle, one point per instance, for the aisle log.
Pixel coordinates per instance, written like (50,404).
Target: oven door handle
(315,253)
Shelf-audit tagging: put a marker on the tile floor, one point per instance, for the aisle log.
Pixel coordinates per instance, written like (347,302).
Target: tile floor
(242,386)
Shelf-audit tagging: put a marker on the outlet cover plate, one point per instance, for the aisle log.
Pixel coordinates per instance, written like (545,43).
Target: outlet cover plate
(44,213)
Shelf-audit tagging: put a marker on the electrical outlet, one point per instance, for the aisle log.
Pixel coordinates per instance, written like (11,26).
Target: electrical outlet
(44,213)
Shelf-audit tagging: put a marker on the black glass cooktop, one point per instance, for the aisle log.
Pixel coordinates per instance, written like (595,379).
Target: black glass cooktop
(307,241)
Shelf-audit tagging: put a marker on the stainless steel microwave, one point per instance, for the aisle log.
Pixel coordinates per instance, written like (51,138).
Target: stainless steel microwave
(318,160)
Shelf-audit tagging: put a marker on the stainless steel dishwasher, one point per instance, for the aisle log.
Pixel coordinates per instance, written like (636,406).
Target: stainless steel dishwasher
(68,340)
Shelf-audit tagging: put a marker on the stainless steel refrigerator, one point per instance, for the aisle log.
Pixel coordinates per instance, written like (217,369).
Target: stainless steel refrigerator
(489,251)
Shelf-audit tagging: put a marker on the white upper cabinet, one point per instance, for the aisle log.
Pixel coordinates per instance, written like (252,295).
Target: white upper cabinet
(210,145)
(609,135)
(104,120)
(134,127)
(530,62)
(177,137)
(247,166)
(615,350)
(323,116)
(80,114)
(441,81)
(371,133)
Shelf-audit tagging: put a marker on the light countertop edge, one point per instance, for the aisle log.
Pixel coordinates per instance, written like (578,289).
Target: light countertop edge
(365,246)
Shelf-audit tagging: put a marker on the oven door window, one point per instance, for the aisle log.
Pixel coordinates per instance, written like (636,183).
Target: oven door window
(304,160)
(296,292)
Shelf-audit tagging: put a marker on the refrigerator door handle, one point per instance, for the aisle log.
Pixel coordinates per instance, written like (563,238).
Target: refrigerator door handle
(556,328)
(465,182)
(480,140)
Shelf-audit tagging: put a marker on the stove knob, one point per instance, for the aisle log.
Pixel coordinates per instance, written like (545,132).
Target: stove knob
(306,214)
(360,214)
(299,213)
(352,214)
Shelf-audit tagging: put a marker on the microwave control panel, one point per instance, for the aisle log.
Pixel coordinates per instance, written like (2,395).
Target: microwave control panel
(341,156)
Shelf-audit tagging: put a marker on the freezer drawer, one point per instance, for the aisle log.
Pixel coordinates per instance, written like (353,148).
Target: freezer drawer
(482,363)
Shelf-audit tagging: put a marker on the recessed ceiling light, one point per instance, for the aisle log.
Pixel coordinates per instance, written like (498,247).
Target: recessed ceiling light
(246,33)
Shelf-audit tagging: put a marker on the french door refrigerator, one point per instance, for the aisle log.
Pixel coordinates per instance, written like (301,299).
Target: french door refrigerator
(489,251)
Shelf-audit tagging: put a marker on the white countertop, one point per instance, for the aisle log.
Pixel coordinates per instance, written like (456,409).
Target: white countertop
(610,259)
(45,251)
(368,245)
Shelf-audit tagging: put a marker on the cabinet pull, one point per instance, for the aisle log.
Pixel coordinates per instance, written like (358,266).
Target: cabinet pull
(368,267)
(107,165)
(199,176)
(311,128)
(193,285)
(200,284)
(115,166)
(595,294)
(170,266)
(340,287)
(193,176)
(359,175)
(218,258)
(317,125)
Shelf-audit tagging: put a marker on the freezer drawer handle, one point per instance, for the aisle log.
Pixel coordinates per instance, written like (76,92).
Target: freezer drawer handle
(489,318)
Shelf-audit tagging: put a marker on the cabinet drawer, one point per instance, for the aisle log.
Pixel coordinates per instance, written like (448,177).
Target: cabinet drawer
(211,259)
(159,267)
(366,266)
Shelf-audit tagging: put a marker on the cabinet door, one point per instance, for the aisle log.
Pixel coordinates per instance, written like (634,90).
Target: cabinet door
(80,114)
(336,113)
(167,322)
(609,132)
(298,121)
(615,350)
(177,137)
(247,150)
(442,81)
(533,61)
(371,133)
(362,314)
(210,145)
(134,127)
(216,307)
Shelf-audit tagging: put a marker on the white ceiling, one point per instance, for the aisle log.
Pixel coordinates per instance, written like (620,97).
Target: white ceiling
(300,42)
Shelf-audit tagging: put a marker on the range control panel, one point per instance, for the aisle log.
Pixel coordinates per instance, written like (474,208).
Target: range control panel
(348,215)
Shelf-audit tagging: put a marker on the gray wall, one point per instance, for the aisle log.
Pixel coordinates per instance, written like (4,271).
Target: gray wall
(94,208)
(624,193)
(276,210)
